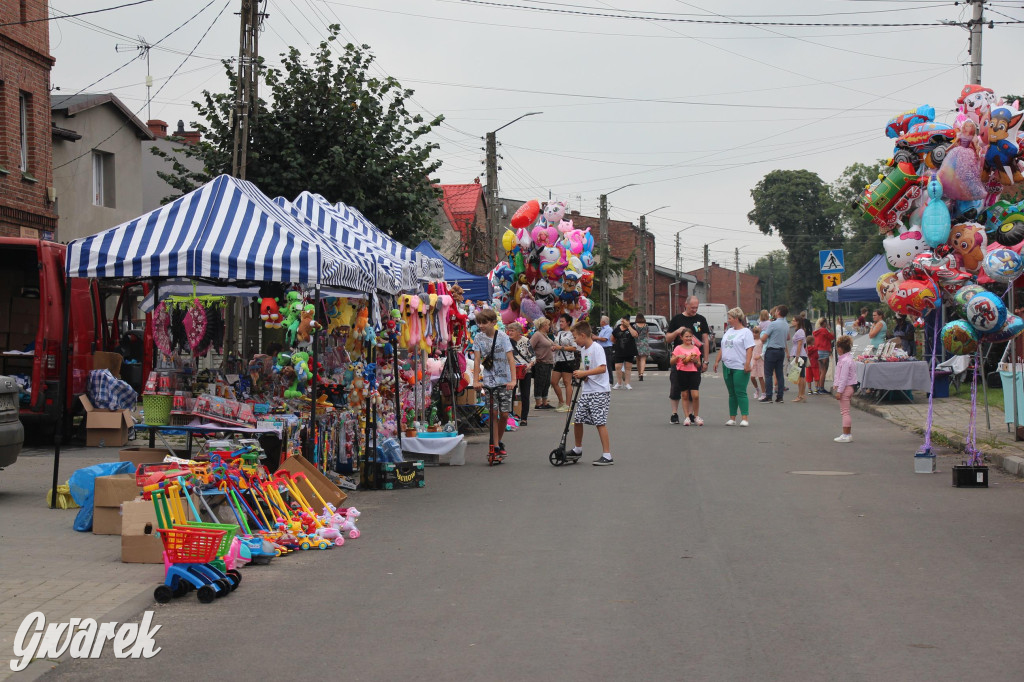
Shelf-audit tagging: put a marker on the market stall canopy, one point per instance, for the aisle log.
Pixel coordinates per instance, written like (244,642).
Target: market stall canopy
(474,287)
(391,274)
(428,269)
(226,229)
(861,285)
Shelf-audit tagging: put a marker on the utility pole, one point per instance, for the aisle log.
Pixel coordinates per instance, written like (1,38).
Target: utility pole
(491,150)
(707,275)
(671,294)
(606,254)
(143,48)
(738,277)
(643,264)
(245,86)
(975,26)
(771,280)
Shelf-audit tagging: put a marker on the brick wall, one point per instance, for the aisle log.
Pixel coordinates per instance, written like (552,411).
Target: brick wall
(25,65)
(624,240)
(663,305)
(723,288)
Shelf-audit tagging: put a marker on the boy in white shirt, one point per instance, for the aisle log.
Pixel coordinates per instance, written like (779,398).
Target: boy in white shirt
(595,394)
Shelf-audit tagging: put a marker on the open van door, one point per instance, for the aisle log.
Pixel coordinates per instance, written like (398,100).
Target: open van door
(131,334)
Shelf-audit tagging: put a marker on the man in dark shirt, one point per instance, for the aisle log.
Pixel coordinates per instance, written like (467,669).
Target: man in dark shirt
(688,319)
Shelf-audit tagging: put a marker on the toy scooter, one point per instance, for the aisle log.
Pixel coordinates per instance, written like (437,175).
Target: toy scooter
(560,455)
(494,455)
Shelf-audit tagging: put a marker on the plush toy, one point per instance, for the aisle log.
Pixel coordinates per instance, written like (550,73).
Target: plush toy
(307,325)
(271,294)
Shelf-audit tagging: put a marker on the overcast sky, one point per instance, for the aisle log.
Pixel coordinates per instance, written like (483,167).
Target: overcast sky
(694,114)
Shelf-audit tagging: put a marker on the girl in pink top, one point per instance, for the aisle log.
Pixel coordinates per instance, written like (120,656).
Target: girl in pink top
(687,360)
(842,381)
(757,368)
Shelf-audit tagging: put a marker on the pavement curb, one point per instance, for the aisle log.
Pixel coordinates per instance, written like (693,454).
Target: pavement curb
(1011,464)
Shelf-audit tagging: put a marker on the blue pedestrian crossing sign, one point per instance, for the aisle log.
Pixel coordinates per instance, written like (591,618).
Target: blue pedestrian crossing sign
(831,261)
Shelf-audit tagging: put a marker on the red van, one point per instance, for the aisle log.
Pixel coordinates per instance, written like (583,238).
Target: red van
(31,326)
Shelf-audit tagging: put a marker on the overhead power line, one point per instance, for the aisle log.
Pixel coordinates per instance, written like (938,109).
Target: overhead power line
(687,20)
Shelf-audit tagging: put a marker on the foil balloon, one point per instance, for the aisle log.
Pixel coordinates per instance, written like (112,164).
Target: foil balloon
(968,242)
(901,249)
(959,338)
(508,316)
(526,214)
(886,284)
(554,212)
(544,235)
(587,258)
(960,173)
(913,297)
(1011,328)
(1004,222)
(986,312)
(524,239)
(509,241)
(964,295)
(530,309)
(935,220)
(586,282)
(1003,265)
(575,264)
(588,241)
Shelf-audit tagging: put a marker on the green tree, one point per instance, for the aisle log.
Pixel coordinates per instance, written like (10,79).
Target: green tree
(332,128)
(773,269)
(609,267)
(796,205)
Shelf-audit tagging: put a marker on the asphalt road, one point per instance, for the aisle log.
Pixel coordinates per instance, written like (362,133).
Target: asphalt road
(701,555)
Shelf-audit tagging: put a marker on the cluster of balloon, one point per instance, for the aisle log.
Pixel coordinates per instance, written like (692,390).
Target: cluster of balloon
(947,228)
(546,269)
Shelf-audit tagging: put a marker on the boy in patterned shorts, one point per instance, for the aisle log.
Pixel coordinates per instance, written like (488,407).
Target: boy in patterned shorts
(595,394)
(495,371)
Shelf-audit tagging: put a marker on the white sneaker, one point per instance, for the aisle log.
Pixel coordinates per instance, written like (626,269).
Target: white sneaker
(845,438)
(698,421)
(686,422)
(616,387)
(731,422)
(744,423)
(628,387)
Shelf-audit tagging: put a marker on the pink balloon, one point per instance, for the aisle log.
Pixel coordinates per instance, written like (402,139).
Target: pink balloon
(508,316)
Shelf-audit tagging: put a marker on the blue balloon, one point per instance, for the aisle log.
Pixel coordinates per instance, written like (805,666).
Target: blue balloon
(935,221)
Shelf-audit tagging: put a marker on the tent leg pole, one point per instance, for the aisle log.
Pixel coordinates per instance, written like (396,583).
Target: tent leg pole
(310,438)
(62,390)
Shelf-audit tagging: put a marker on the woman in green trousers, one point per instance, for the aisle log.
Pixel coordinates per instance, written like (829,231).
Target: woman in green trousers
(736,353)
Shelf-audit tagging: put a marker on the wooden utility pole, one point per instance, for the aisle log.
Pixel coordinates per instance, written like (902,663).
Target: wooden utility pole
(976,24)
(643,264)
(707,274)
(246,89)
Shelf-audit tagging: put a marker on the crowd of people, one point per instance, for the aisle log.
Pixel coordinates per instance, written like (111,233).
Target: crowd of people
(532,360)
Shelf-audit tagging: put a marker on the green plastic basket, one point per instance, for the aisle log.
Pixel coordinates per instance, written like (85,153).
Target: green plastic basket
(157,409)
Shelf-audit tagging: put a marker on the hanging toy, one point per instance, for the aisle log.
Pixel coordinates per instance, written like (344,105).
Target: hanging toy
(271,294)
(195,325)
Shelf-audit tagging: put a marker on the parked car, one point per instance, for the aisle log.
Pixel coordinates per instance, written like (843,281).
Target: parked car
(12,433)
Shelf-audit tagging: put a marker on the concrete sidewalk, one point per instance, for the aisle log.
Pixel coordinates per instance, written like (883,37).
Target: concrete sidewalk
(52,568)
(949,427)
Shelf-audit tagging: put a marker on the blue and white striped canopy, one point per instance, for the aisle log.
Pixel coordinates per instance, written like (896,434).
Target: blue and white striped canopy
(318,214)
(226,229)
(427,269)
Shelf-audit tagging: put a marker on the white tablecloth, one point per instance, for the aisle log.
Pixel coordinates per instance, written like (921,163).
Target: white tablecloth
(431,446)
(895,376)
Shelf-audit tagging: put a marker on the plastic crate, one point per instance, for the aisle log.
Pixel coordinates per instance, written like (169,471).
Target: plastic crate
(229,529)
(157,409)
(191,545)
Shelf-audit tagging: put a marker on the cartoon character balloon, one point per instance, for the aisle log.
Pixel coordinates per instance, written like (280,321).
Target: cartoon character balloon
(968,242)
(986,312)
(554,212)
(886,284)
(901,249)
(1011,328)
(913,297)
(935,219)
(959,338)
(1003,265)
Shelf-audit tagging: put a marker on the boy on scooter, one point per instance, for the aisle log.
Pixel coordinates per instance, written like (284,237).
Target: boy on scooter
(595,394)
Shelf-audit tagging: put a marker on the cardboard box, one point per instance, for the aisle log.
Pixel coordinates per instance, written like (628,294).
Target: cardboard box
(139,542)
(111,491)
(467,398)
(106,521)
(110,361)
(139,456)
(331,493)
(105,428)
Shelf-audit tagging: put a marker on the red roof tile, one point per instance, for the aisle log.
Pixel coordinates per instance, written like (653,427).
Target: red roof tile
(461,200)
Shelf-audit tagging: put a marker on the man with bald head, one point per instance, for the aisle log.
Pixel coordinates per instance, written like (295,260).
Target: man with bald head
(695,322)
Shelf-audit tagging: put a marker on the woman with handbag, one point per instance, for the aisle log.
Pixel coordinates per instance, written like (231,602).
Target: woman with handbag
(798,356)
(525,360)
(542,346)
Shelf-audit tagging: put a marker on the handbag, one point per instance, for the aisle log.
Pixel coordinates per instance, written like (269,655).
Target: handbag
(521,372)
(794,371)
(488,362)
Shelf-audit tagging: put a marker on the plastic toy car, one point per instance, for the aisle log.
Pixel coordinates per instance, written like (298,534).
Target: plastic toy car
(313,542)
(927,142)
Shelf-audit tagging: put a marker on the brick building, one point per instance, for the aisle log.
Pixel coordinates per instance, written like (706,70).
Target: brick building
(671,292)
(723,288)
(26,165)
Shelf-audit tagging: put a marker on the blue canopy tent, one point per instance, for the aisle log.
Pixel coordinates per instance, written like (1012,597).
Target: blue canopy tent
(474,287)
(861,285)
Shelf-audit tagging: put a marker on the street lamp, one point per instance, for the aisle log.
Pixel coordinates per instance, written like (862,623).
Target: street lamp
(707,270)
(492,185)
(642,273)
(605,248)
